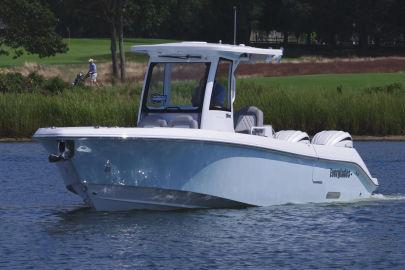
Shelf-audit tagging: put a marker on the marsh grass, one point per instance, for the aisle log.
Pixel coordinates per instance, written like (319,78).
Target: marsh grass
(23,113)
(377,109)
(364,111)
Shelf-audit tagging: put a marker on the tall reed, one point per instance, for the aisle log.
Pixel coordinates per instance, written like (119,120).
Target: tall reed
(363,111)
(359,111)
(23,113)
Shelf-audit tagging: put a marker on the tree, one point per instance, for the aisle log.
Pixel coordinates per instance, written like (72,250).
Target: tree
(113,11)
(394,24)
(120,17)
(333,20)
(109,9)
(91,18)
(180,19)
(287,16)
(30,26)
(216,19)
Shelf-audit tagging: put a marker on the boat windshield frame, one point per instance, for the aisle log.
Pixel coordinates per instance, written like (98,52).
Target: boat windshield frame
(174,108)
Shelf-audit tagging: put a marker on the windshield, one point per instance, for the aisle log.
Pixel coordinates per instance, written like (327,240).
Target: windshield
(176,86)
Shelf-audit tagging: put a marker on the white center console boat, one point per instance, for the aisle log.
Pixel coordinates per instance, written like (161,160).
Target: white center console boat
(191,150)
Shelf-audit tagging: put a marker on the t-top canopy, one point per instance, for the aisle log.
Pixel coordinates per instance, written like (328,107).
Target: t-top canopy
(199,50)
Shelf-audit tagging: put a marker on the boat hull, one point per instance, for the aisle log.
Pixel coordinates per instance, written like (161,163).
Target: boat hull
(123,198)
(116,174)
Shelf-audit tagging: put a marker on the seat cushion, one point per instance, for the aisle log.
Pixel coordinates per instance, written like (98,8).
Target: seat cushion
(152,121)
(246,118)
(183,121)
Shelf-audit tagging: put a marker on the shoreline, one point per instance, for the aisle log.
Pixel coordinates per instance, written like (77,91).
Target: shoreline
(378,138)
(23,139)
(355,138)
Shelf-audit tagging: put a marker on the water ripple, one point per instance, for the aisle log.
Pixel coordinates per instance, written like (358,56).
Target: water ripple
(43,226)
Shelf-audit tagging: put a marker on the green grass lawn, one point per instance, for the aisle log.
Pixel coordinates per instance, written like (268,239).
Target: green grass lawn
(330,81)
(80,50)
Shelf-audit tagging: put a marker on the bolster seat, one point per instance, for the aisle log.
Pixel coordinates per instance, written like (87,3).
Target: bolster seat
(246,118)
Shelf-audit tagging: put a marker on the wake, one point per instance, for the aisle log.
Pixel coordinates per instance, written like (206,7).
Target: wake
(382,197)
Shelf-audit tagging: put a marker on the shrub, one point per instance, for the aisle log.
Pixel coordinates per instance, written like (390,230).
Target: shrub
(12,82)
(35,80)
(17,83)
(389,89)
(54,85)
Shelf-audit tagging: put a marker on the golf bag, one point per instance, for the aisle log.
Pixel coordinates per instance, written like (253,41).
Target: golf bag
(80,78)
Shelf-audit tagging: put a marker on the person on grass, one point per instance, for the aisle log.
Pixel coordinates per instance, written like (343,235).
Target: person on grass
(92,72)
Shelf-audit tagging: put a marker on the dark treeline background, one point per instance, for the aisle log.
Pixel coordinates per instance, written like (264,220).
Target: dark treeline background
(361,23)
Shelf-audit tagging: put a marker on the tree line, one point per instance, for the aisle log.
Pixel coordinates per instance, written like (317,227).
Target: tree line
(38,25)
(329,22)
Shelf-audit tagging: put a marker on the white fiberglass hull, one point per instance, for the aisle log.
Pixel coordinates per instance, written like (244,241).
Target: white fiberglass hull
(146,172)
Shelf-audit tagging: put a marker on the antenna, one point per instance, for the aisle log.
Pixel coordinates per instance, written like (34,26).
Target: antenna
(234,25)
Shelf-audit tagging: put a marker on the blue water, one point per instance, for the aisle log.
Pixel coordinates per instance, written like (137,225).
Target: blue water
(43,226)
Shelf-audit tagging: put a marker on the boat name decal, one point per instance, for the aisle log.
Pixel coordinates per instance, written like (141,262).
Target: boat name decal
(340,173)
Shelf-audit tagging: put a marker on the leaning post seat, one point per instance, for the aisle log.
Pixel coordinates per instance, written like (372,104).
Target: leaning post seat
(292,136)
(152,121)
(246,118)
(333,138)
